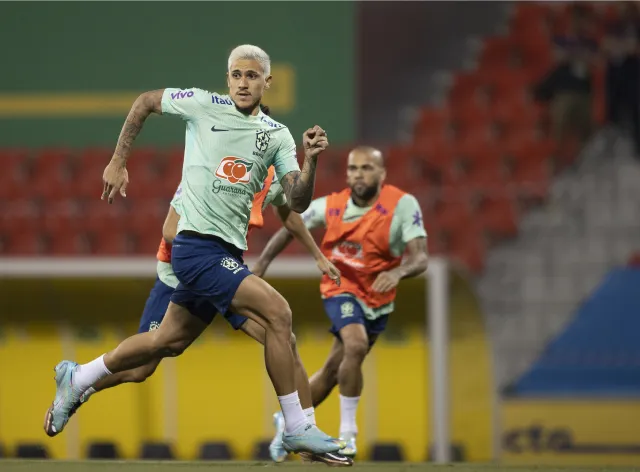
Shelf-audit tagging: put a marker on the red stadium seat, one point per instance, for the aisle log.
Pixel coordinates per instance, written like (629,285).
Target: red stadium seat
(113,243)
(62,215)
(89,168)
(467,247)
(27,243)
(484,179)
(531,179)
(433,119)
(148,242)
(15,174)
(21,216)
(100,217)
(497,52)
(145,216)
(453,216)
(52,174)
(68,242)
(497,214)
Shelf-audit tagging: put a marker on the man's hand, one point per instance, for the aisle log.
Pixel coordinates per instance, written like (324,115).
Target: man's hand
(314,141)
(327,268)
(385,281)
(115,179)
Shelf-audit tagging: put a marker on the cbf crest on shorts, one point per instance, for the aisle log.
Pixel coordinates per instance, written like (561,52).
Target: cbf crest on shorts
(262,140)
(346,309)
(231,264)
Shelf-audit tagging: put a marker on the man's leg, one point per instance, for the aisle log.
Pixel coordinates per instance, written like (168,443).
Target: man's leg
(257,332)
(355,346)
(154,310)
(352,329)
(324,380)
(177,331)
(137,375)
(258,301)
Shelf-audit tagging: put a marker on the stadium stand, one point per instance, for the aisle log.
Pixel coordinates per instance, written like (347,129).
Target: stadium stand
(479,161)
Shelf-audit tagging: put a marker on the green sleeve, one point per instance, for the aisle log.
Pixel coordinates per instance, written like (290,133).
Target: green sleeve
(315,216)
(406,224)
(285,159)
(176,201)
(275,195)
(186,103)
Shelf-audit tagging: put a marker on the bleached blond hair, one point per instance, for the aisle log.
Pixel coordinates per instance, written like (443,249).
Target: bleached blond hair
(249,51)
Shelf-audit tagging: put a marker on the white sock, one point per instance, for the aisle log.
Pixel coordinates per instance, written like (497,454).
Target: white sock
(90,391)
(311,415)
(348,407)
(88,374)
(294,417)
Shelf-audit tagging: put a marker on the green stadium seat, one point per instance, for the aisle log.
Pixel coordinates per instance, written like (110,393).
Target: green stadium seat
(215,451)
(457,453)
(156,451)
(261,451)
(387,452)
(102,450)
(31,451)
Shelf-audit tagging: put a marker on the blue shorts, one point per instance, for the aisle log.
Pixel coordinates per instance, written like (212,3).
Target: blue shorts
(210,271)
(157,305)
(344,310)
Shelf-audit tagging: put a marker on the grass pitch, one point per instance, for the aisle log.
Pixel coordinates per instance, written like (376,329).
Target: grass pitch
(236,466)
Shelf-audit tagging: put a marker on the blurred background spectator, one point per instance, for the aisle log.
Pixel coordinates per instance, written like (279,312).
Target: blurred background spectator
(569,84)
(621,46)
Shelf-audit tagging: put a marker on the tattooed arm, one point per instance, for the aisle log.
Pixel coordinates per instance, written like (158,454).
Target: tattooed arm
(414,264)
(115,177)
(298,185)
(145,104)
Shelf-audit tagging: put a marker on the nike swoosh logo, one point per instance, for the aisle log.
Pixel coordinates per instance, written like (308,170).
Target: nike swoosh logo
(213,128)
(337,458)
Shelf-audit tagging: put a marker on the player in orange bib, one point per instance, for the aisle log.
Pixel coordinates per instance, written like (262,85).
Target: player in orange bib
(369,226)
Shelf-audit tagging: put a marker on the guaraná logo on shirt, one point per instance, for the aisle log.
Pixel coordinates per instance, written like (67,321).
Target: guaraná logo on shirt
(235,170)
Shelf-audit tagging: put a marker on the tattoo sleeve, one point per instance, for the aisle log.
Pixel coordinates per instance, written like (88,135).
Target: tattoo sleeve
(145,104)
(298,186)
(416,261)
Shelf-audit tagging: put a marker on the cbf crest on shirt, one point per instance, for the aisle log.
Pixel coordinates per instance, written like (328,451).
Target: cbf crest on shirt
(226,158)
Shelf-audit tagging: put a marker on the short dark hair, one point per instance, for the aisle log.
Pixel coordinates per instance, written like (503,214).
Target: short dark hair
(265,109)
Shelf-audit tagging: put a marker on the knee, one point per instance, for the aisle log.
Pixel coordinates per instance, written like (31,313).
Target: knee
(356,349)
(279,317)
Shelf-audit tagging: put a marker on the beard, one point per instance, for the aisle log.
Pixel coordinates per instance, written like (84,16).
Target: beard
(365,193)
(248,109)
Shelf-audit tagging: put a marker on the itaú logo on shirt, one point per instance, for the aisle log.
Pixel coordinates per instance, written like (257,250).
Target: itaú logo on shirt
(348,252)
(234,170)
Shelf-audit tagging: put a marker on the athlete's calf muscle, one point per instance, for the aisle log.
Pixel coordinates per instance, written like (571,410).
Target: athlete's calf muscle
(176,332)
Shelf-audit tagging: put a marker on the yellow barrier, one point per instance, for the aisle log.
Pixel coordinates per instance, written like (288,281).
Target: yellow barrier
(218,389)
(571,432)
